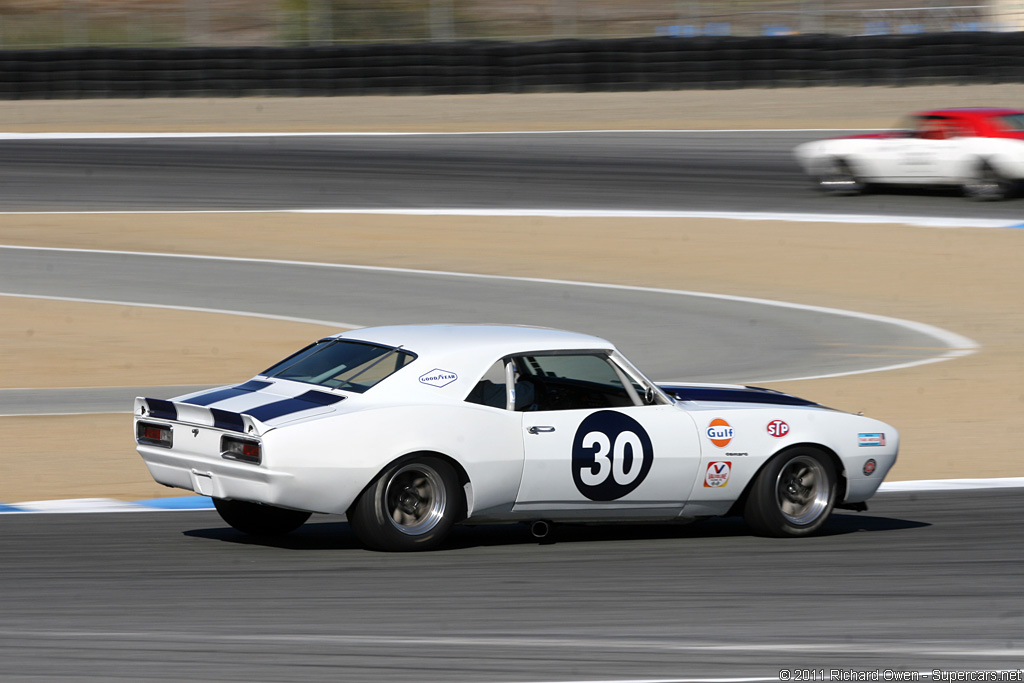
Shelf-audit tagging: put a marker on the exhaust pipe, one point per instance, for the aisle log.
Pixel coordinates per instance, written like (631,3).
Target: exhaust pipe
(540,528)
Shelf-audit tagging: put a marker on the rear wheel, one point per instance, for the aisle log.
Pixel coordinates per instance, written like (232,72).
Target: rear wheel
(411,506)
(834,176)
(259,520)
(793,495)
(986,184)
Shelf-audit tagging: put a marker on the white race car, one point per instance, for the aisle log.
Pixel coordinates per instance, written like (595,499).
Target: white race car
(408,430)
(979,150)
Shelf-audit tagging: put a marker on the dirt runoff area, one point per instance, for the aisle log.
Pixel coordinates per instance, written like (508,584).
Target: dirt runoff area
(959,418)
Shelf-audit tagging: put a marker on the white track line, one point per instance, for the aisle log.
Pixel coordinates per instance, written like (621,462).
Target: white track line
(172,307)
(957,345)
(513,642)
(916,221)
(167,135)
(951,485)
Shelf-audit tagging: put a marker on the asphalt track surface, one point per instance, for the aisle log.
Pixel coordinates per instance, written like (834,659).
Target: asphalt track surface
(668,337)
(671,337)
(697,171)
(922,581)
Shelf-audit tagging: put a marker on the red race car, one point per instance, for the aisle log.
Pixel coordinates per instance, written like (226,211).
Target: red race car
(980,150)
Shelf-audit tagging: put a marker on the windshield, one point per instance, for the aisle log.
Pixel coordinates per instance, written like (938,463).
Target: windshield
(341,364)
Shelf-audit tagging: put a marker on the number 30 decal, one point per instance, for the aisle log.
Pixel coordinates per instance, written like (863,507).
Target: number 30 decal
(611,455)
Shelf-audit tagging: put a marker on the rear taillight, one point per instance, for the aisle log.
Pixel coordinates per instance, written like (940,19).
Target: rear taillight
(244,450)
(154,434)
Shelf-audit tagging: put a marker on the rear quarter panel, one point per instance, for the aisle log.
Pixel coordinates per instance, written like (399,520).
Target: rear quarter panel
(335,458)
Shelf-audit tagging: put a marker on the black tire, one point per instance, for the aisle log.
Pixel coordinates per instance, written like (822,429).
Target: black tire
(835,177)
(411,506)
(986,184)
(259,520)
(793,495)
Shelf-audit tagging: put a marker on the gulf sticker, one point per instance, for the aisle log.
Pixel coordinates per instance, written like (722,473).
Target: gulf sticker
(717,475)
(719,432)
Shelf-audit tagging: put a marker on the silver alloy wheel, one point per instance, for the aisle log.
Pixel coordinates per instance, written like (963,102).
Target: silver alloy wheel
(415,499)
(802,490)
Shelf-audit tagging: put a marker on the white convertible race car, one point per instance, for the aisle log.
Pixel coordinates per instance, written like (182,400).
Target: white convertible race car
(980,150)
(408,430)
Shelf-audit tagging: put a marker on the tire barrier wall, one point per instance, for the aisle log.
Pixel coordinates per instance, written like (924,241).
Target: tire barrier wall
(661,63)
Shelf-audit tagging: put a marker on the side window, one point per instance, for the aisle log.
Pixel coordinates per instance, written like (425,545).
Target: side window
(934,127)
(959,128)
(490,390)
(571,382)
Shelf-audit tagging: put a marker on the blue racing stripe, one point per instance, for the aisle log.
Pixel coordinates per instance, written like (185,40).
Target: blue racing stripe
(729,395)
(224,394)
(9,508)
(320,398)
(222,419)
(307,401)
(161,410)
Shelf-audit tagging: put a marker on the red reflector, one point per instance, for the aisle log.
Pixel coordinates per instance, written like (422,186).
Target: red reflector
(239,449)
(154,434)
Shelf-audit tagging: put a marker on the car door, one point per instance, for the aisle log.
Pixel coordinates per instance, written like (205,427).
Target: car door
(599,443)
(922,157)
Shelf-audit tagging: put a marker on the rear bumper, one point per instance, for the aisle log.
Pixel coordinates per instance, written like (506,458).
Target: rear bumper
(325,488)
(218,479)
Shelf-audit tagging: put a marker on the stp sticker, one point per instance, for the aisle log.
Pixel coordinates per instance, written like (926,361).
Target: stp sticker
(778,428)
(871,439)
(719,432)
(611,455)
(438,378)
(717,475)
(869,467)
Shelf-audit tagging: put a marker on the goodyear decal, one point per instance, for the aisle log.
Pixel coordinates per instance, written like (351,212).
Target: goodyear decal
(438,378)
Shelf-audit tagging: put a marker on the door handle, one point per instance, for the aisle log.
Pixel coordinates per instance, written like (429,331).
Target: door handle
(538,430)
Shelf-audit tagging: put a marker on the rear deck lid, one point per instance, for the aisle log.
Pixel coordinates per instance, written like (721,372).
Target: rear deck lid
(252,407)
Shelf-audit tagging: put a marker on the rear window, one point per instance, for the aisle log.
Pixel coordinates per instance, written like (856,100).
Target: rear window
(341,364)
(1012,122)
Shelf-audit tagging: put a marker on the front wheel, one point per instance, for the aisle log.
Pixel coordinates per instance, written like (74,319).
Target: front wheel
(411,506)
(986,184)
(259,520)
(793,495)
(836,177)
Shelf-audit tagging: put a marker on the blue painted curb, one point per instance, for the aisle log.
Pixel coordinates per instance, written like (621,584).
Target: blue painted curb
(109,505)
(183,503)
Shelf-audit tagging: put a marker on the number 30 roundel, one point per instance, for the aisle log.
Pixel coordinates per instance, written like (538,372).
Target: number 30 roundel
(611,455)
